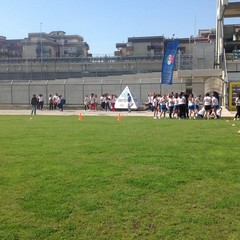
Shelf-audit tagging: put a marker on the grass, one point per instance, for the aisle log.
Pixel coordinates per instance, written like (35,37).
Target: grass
(139,178)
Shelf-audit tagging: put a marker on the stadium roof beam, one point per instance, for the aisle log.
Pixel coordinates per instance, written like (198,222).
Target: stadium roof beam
(232,10)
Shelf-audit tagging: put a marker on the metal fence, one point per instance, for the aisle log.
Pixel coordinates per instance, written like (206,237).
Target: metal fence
(74,90)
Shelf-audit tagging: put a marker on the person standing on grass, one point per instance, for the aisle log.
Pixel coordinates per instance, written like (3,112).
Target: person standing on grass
(237,102)
(170,105)
(197,105)
(61,102)
(186,95)
(182,105)
(34,103)
(163,105)
(150,101)
(86,103)
(113,100)
(215,105)
(218,113)
(96,102)
(150,106)
(107,103)
(55,101)
(92,102)
(50,102)
(190,106)
(40,102)
(175,106)
(129,99)
(155,106)
(102,102)
(207,102)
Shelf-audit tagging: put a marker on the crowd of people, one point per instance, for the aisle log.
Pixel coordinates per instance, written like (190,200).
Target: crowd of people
(174,105)
(182,105)
(106,102)
(55,102)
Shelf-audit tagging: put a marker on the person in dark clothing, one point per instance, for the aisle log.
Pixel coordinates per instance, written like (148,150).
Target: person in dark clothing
(129,99)
(50,102)
(186,104)
(34,103)
(61,102)
(237,102)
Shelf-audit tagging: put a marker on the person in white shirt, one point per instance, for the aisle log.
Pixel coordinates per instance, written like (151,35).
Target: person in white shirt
(219,112)
(163,105)
(201,113)
(182,105)
(107,103)
(102,101)
(50,102)
(92,101)
(190,106)
(113,100)
(40,101)
(197,104)
(55,101)
(155,106)
(207,102)
(86,103)
(216,114)
(150,102)
(237,102)
(170,105)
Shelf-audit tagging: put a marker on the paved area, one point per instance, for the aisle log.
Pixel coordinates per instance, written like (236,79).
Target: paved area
(225,113)
(76,112)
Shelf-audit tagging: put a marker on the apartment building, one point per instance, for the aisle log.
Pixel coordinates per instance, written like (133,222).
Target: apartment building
(141,46)
(56,44)
(154,45)
(10,48)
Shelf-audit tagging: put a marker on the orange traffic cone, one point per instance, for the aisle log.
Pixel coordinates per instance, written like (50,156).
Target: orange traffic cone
(119,117)
(80,117)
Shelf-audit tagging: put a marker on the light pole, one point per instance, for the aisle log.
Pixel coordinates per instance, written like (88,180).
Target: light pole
(41,50)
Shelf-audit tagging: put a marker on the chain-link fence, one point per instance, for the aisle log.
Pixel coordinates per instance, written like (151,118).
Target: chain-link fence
(74,90)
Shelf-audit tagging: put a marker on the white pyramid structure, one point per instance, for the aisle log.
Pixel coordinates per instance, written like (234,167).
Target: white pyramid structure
(122,100)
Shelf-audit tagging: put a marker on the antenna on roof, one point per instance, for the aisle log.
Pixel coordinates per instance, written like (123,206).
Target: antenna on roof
(195,27)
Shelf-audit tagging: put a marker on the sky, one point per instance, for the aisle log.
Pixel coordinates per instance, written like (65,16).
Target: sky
(103,23)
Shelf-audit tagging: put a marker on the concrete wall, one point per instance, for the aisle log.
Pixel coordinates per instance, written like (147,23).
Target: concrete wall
(203,55)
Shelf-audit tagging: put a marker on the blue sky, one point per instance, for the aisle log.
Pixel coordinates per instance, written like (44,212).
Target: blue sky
(103,23)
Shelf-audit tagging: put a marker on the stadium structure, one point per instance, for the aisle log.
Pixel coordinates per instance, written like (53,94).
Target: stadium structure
(56,62)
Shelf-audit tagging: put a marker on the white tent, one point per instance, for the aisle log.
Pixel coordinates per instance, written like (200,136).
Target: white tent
(122,101)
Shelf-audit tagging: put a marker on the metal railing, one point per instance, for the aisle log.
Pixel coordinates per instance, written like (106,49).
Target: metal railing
(49,69)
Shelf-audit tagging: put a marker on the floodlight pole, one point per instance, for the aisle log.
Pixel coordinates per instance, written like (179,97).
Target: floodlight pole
(41,43)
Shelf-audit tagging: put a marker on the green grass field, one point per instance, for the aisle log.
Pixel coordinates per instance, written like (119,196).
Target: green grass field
(138,178)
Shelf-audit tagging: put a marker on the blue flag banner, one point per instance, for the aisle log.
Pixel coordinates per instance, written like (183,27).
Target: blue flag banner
(169,61)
